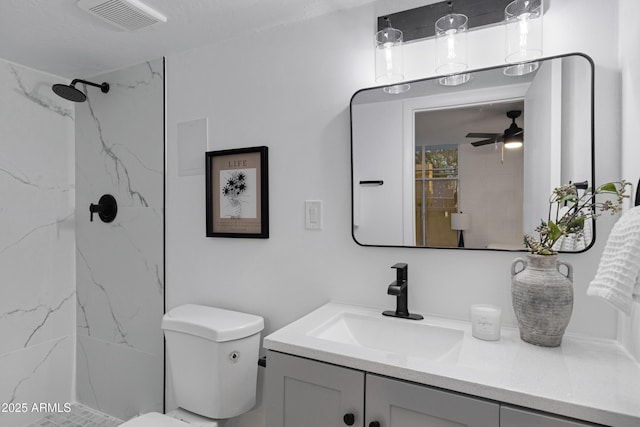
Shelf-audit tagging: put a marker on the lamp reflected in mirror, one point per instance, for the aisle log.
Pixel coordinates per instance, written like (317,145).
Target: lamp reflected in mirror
(460,222)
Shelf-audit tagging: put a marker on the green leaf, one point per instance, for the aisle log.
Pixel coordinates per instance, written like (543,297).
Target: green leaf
(568,198)
(609,186)
(577,223)
(554,231)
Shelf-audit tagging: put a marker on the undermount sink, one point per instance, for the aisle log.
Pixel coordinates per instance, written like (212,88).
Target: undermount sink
(390,335)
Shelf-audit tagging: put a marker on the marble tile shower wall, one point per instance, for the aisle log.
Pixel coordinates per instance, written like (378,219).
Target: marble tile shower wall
(120,270)
(37,275)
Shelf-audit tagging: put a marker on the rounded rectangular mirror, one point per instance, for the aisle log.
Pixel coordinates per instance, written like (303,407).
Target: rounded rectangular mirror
(471,162)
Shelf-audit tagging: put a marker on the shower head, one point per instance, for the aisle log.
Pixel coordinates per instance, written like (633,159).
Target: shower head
(69,92)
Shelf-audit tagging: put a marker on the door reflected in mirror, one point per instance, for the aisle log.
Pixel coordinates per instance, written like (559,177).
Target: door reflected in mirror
(470,166)
(436,194)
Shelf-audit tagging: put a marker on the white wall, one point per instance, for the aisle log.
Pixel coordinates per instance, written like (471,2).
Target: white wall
(378,211)
(289,88)
(542,111)
(37,269)
(629,34)
(491,191)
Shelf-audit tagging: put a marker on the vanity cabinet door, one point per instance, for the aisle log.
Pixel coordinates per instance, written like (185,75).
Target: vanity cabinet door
(517,417)
(393,403)
(306,393)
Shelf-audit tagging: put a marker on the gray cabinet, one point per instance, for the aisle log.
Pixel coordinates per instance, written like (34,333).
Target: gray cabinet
(394,403)
(518,417)
(306,393)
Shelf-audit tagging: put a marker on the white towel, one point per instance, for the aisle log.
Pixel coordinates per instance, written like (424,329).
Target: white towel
(618,276)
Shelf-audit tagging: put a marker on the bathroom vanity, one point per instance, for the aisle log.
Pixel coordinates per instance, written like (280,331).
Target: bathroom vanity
(349,365)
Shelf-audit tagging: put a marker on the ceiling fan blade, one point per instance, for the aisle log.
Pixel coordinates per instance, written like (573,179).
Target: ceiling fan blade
(484,142)
(482,135)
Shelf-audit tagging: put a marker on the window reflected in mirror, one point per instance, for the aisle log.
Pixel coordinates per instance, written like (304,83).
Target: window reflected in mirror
(436,195)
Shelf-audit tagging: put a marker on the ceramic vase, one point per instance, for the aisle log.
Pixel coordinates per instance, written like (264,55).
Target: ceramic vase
(542,298)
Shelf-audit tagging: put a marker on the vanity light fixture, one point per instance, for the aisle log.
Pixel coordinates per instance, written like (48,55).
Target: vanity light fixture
(451,48)
(523,36)
(389,61)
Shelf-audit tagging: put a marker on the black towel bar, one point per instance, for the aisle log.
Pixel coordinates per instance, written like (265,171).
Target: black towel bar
(372,182)
(637,203)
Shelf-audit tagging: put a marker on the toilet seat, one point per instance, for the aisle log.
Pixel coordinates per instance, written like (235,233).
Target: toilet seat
(154,419)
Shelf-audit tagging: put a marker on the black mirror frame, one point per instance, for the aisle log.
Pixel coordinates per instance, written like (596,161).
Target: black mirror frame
(593,157)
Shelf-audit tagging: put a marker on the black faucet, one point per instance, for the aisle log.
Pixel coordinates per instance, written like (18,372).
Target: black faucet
(400,288)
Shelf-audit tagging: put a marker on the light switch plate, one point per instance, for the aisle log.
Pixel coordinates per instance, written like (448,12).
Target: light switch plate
(313,214)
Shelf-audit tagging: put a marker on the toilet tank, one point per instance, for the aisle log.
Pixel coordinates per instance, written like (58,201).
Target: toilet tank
(213,359)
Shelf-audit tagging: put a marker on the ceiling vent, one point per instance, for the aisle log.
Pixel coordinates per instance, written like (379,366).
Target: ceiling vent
(129,15)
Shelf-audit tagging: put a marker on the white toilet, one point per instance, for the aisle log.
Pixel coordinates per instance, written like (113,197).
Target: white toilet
(213,359)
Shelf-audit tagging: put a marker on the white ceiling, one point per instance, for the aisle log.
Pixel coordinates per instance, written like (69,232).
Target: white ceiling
(58,37)
(450,126)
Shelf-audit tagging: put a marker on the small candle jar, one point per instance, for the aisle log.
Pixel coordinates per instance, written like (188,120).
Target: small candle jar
(485,322)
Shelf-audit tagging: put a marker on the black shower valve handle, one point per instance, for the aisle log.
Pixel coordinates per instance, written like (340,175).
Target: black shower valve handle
(94,209)
(107,208)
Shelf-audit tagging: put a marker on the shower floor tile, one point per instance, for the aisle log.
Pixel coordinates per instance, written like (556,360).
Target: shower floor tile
(80,416)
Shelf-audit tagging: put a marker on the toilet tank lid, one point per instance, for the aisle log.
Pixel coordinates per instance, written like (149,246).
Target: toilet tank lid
(215,324)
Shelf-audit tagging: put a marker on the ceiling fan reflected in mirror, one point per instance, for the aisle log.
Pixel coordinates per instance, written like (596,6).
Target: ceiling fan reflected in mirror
(512,136)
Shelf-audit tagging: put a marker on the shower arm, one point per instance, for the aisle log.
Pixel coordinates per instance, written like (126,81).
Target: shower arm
(104,86)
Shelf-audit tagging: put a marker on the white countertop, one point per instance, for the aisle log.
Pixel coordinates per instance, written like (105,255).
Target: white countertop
(591,380)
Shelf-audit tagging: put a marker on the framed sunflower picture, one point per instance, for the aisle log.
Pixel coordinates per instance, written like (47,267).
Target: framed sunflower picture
(237,193)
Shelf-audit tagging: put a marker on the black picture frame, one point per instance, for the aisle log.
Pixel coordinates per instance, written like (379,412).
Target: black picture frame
(237,193)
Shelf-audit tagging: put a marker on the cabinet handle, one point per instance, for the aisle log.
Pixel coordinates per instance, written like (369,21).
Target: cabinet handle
(349,419)
(374,424)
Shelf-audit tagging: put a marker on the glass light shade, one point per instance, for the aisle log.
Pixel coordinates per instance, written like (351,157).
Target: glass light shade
(454,79)
(451,43)
(523,35)
(520,69)
(396,89)
(513,143)
(389,64)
